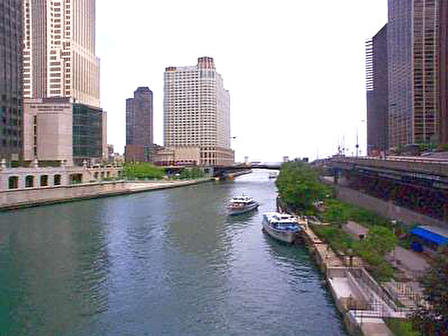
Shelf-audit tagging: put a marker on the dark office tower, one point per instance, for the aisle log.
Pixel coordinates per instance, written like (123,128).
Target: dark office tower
(413,70)
(11,129)
(139,125)
(443,72)
(377,93)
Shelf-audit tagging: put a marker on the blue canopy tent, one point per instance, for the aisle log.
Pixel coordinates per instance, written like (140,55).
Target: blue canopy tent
(429,236)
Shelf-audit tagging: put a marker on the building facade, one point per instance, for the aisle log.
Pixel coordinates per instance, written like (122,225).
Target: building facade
(377,93)
(11,117)
(197,114)
(443,72)
(414,87)
(59,130)
(139,126)
(59,50)
(35,177)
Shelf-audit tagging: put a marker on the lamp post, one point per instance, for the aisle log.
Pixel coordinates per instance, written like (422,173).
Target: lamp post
(357,142)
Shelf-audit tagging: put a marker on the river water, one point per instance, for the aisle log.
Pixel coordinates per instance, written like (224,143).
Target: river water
(167,262)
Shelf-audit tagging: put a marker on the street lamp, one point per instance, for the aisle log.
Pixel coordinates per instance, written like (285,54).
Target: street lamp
(357,142)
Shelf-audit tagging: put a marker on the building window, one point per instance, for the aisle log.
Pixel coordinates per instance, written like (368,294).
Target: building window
(75,178)
(29,181)
(13,182)
(57,180)
(44,181)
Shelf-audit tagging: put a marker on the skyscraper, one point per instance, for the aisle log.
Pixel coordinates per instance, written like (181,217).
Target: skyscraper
(377,92)
(414,89)
(139,125)
(11,129)
(59,50)
(197,114)
(443,72)
(61,83)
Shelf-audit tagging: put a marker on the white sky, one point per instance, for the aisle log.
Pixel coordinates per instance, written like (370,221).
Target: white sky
(294,68)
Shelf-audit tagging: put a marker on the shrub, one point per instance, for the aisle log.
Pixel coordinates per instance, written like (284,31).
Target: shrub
(143,171)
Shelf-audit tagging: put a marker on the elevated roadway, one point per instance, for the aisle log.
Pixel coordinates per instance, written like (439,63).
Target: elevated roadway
(419,184)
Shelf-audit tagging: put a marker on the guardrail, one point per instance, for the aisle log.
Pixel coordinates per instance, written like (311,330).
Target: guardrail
(426,166)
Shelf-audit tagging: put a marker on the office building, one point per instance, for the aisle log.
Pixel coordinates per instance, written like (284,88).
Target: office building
(61,83)
(414,89)
(197,114)
(59,130)
(377,93)
(139,126)
(443,72)
(59,50)
(11,119)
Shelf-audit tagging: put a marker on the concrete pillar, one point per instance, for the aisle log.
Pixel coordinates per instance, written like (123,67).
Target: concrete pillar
(22,178)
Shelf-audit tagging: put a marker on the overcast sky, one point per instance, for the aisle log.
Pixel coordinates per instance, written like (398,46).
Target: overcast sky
(295,69)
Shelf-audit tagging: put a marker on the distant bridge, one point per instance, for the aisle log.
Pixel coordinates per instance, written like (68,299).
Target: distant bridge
(224,171)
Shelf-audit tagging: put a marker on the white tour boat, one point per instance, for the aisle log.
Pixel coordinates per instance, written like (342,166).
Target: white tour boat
(241,204)
(283,227)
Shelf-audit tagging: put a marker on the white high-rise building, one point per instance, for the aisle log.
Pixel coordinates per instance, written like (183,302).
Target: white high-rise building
(59,50)
(197,115)
(63,121)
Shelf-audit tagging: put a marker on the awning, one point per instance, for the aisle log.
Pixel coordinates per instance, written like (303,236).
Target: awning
(429,236)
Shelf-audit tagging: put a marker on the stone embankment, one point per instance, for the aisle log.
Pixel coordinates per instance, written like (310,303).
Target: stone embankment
(20,198)
(362,302)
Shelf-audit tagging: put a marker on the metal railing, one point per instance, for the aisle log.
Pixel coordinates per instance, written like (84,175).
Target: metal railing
(425,166)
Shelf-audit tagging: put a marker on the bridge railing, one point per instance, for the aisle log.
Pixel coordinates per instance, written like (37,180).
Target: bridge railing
(425,166)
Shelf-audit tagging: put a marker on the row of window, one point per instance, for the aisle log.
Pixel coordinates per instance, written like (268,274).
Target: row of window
(13,181)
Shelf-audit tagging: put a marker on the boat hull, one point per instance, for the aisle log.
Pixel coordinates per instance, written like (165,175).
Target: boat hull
(235,212)
(284,236)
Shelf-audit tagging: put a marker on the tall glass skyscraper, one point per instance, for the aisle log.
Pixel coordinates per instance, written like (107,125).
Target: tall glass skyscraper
(413,62)
(11,117)
(377,92)
(443,72)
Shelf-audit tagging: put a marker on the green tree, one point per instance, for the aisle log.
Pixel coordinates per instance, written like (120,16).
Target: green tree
(432,318)
(336,212)
(143,171)
(299,186)
(191,173)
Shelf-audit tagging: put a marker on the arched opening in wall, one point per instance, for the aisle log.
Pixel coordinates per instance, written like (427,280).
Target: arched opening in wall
(108,174)
(57,180)
(44,181)
(29,181)
(75,178)
(13,182)
(96,175)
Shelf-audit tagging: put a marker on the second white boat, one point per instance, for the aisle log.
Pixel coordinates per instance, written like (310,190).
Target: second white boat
(241,204)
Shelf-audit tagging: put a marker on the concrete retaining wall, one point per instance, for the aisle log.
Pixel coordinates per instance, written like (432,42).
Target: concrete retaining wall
(12,199)
(18,198)
(386,209)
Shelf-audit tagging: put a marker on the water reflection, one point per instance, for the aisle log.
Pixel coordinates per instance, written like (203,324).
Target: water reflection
(168,262)
(51,264)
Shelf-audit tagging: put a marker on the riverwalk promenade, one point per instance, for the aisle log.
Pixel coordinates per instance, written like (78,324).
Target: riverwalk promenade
(20,198)
(356,294)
